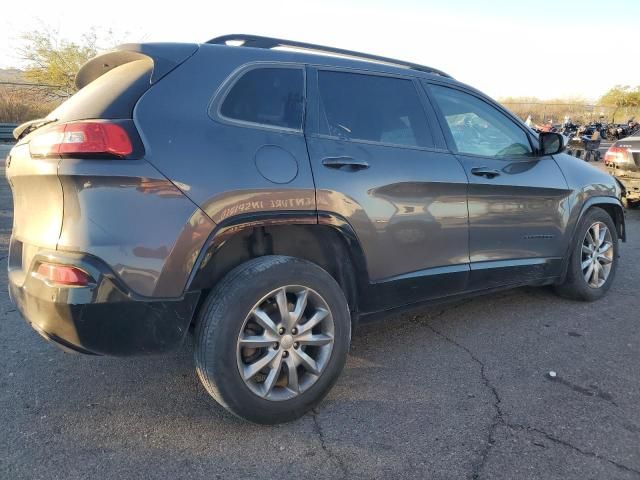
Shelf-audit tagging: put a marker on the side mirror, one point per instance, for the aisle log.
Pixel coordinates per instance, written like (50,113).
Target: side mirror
(551,143)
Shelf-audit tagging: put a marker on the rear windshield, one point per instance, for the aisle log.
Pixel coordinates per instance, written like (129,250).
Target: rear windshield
(112,95)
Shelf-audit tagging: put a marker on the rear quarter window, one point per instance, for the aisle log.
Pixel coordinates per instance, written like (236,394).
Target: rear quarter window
(269,96)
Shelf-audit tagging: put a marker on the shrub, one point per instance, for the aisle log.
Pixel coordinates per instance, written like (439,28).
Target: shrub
(18,105)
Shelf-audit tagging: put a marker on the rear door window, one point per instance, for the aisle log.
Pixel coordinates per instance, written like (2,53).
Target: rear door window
(372,108)
(269,96)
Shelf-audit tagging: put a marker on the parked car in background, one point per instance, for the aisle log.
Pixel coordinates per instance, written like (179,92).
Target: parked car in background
(272,199)
(623,158)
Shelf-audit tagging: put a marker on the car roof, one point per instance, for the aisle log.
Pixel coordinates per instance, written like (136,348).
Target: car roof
(320,59)
(328,59)
(285,51)
(256,41)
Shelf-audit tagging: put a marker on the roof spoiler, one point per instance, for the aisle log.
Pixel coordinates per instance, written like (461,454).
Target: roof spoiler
(165,57)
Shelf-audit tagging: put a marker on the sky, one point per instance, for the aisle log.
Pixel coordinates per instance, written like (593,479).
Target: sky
(547,49)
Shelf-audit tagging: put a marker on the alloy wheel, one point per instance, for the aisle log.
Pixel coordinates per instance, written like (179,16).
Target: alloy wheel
(285,343)
(597,255)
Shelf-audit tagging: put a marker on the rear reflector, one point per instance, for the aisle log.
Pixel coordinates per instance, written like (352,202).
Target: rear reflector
(82,138)
(63,274)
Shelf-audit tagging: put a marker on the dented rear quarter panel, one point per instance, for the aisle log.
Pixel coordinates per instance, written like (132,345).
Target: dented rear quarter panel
(129,215)
(37,198)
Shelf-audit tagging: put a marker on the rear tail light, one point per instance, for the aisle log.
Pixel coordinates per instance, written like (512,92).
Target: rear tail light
(63,274)
(82,138)
(617,155)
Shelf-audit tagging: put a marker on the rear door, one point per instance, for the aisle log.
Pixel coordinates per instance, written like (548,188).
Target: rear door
(518,202)
(380,162)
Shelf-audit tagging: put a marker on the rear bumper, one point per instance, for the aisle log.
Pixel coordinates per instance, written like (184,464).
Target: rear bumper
(103,318)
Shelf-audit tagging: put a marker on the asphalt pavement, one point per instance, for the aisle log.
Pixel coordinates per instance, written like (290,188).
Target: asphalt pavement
(457,391)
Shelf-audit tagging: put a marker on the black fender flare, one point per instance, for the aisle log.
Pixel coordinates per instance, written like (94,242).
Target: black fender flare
(232,226)
(619,221)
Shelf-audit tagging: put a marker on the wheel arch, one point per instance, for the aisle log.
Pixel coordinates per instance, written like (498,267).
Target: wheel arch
(613,207)
(325,239)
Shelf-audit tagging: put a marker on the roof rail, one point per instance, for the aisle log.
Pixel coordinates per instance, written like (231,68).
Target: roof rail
(256,41)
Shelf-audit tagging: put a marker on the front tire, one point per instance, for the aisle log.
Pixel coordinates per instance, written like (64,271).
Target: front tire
(593,259)
(272,338)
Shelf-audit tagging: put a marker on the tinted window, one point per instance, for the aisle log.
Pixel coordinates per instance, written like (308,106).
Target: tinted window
(374,108)
(269,96)
(479,128)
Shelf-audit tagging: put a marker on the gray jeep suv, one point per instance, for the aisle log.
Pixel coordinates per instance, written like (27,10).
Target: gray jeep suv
(273,198)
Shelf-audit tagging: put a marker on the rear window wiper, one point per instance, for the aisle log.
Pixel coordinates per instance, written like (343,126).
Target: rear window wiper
(28,127)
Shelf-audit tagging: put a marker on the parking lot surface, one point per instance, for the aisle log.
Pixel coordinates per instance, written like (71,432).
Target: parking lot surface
(456,391)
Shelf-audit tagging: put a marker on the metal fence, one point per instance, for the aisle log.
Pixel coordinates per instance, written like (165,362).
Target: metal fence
(6,132)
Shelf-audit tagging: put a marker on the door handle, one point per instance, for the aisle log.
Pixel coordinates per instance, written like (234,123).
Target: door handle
(348,163)
(485,172)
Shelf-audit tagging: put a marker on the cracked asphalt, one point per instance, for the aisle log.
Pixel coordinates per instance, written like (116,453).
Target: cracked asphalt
(456,391)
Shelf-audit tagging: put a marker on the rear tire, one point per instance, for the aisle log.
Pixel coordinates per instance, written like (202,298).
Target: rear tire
(593,261)
(252,355)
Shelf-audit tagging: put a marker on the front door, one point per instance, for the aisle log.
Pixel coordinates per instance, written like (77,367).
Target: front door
(518,202)
(380,162)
